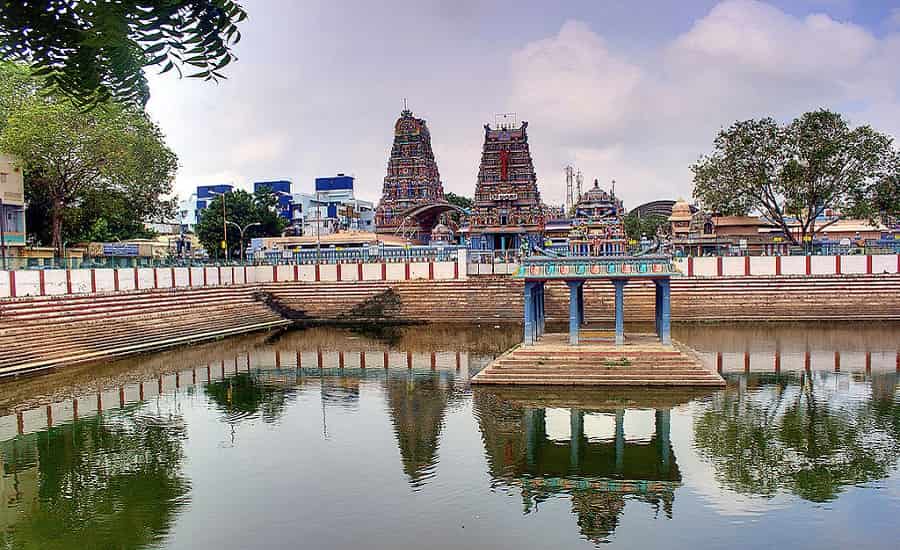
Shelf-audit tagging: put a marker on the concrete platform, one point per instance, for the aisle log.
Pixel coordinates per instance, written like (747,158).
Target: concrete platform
(597,361)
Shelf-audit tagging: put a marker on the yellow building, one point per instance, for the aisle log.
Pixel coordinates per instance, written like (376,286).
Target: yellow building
(12,206)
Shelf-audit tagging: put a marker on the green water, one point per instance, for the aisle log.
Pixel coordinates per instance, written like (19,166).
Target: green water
(242,448)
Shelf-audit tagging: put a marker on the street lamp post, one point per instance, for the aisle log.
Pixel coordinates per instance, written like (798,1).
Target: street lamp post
(224,222)
(3,231)
(241,230)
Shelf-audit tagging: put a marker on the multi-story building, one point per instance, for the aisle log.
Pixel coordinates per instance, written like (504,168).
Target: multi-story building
(332,208)
(206,194)
(12,207)
(281,189)
(508,210)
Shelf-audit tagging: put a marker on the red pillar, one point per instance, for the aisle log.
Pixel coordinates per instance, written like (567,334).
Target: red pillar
(275,273)
(116,279)
(809,265)
(359,275)
(68,281)
(318,275)
(837,360)
(406,271)
(384,269)
(385,360)
(204,276)
(777,265)
(746,265)
(245,274)
(430,270)
(719,266)
(219,273)
(456,269)
(338,269)
(172,273)
(42,285)
(837,264)
(93,281)
(12,283)
(155,278)
(690,266)
(362,359)
(190,277)
(296,272)
(868,265)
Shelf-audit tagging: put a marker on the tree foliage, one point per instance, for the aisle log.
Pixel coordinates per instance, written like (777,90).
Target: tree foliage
(96,50)
(110,163)
(458,200)
(638,226)
(791,173)
(241,208)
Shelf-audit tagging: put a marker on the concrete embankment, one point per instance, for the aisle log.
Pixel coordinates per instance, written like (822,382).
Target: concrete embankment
(36,332)
(499,299)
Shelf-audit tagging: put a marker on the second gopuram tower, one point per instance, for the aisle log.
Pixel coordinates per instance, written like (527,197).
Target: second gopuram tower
(412,180)
(507,210)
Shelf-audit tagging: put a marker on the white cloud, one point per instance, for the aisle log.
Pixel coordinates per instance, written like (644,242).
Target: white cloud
(259,149)
(643,121)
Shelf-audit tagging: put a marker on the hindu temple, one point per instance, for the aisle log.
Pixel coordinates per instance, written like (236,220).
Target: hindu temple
(507,210)
(412,199)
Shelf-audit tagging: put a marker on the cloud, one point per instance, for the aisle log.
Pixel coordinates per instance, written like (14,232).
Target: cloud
(644,120)
(259,149)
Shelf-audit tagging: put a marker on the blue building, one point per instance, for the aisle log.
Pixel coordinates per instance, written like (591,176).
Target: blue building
(281,188)
(206,193)
(336,187)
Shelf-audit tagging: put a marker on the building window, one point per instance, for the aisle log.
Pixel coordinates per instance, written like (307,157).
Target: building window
(3,178)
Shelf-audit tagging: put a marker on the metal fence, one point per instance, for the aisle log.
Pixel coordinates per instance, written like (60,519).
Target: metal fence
(357,255)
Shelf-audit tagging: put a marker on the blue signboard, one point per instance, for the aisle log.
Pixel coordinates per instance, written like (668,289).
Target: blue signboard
(331,184)
(120,249)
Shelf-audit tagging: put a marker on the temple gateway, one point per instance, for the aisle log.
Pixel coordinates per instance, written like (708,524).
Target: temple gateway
(412,199)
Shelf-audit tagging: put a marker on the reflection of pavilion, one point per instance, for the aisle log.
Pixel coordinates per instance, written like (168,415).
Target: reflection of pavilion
(600,471)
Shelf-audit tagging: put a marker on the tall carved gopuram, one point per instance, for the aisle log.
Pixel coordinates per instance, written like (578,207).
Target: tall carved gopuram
(508,206)
(412,181)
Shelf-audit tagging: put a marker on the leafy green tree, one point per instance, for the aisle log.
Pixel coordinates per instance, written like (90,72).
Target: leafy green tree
(795,171)
(241,208)
(637,226)
(96,50)
(463,202)
(85,159)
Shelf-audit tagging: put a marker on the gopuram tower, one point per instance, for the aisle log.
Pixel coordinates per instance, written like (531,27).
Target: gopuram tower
(412,181)
(507,210)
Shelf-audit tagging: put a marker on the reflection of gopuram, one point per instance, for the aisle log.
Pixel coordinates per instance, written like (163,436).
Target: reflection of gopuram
(417,406)
(600,471)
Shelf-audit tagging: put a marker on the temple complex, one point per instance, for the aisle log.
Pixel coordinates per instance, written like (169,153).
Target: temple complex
(412,199)
(508,210)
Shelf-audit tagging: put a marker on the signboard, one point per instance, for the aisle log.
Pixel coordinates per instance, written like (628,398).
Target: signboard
(587,268)
(120,249)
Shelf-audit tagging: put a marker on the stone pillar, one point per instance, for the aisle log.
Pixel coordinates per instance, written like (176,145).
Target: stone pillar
(576,436)
(620,440)
(534,434)
(658,308)
(529,314)
(574,317)
(581,303)
(662,436)
(620,310)
(665,316)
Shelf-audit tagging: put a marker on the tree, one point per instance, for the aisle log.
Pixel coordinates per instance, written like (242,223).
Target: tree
(75,158)
(96,50)
(790,174)
(242,208)
(637,226)
(463,202)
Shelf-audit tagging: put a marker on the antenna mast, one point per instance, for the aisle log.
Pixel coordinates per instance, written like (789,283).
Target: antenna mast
(579,179)
(570,189)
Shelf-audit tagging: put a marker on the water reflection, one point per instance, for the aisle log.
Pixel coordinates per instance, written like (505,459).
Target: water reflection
(812,434)
(245,396)
(600,469)
(108,481)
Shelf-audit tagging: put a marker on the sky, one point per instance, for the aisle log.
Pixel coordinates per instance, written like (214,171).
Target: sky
(633,91)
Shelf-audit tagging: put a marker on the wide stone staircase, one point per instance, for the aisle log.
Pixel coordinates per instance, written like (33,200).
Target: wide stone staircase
(44,332)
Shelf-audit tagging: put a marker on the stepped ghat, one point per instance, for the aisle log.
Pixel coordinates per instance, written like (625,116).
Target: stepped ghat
(597,357)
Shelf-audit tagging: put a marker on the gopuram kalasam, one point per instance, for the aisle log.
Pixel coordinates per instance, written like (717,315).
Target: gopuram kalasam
(412,199)
(508,209)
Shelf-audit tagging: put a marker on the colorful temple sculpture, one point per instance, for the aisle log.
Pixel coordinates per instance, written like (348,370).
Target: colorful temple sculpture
(412,200)
(597,226)
(508,212)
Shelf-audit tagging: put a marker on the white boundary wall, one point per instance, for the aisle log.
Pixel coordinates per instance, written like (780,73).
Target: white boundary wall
(84,281)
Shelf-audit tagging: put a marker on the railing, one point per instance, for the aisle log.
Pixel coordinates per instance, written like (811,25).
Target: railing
(329,255)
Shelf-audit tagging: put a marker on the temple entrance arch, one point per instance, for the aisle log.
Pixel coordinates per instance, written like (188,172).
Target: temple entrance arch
(419,220)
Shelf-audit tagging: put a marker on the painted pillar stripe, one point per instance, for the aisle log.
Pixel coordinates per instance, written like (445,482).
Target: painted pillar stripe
(359,271)
(93,281)
(172,273)
(296,272)
(406,271)
(42,285)
(219,273)
(690,266)
(204,276)
(746,265)
(338,268)
(837,264)
(384,269)
(719,266)
(318,274)
(777,265)
(431,270)
(116,279)
(155,278)
(868,265)
(275,273)
(12,283)
(68,281)
(136,285)
(456,270)
(809,265)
